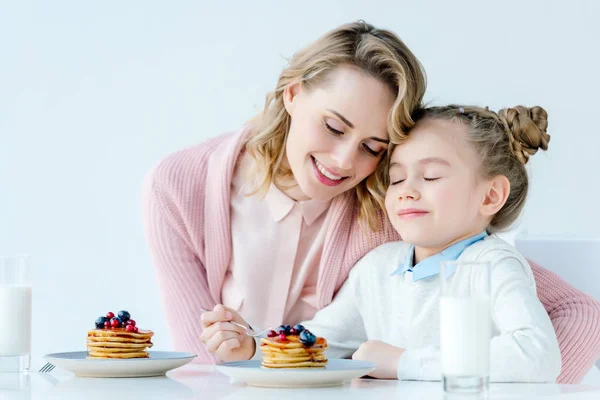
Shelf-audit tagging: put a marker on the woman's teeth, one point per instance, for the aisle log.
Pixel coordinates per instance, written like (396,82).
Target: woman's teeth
(327,174)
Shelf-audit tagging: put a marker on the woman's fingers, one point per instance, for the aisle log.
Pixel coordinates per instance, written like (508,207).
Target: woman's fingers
(217,327)
(218,314)
(221,338)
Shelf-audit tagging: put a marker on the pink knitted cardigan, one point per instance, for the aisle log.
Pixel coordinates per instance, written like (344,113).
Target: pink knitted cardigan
(187,222)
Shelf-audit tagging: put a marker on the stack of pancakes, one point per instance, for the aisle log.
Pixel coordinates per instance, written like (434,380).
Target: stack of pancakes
(118,343)
(291,353)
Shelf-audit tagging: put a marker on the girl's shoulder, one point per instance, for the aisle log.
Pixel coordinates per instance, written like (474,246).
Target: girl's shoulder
(490,248)
(504,258)
(382,260)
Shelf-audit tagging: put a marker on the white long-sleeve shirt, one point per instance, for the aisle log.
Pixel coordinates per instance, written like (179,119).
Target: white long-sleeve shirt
(373,304)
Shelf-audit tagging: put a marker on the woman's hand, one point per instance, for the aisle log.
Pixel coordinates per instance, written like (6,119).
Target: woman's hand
(227,341)
(384,355)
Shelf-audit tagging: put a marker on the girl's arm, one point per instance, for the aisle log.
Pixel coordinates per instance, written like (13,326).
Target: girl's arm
(526,350)
(341,322)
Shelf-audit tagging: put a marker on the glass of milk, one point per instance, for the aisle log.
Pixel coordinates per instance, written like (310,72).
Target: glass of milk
(465,326)
(15,313)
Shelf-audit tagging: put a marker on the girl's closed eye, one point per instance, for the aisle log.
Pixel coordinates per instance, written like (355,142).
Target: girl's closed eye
(395,180)
(431,179)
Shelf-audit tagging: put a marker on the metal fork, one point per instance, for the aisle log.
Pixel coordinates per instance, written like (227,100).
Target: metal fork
(249,331)
(47,368)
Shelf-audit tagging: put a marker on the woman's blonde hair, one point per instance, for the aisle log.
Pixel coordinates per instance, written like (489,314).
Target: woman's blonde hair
(377,52)
(504,142)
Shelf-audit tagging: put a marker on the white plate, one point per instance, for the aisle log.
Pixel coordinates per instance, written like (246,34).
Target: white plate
(335,373)
(157,364)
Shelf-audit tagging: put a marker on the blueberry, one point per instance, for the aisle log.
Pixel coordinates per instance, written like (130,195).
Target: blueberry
(285,329)
(307,338)
(121,321)
(124,315)
(100,322)
(299,328)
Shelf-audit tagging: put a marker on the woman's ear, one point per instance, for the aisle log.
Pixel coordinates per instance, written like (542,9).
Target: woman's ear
(290,94)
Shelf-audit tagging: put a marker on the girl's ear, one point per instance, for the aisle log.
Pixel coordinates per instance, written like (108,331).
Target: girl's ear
(495,197)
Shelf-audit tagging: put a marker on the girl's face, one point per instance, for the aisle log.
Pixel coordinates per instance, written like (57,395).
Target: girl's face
(338,133)
(435,193)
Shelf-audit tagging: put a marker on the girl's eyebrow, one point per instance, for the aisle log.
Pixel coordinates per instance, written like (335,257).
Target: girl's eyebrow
(435,160)
(428,160)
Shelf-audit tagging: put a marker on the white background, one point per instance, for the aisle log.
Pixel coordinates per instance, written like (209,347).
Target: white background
(93,94)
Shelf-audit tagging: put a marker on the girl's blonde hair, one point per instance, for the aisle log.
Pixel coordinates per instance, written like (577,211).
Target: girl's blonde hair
(377,52)
(504,142)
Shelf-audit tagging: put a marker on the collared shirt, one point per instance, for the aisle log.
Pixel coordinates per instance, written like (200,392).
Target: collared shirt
(431,265)
(287,275)
(372,305)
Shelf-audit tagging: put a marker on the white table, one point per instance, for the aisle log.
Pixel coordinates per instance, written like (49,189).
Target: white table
(205,382)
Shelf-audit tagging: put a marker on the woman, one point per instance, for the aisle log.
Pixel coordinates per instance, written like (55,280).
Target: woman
(269,220)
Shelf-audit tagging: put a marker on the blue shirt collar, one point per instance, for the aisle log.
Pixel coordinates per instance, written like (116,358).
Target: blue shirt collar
(431,265)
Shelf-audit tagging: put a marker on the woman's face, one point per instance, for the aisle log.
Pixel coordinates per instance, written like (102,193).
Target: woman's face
(338,132)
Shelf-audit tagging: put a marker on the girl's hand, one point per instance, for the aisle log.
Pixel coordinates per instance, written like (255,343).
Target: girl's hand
(384,355)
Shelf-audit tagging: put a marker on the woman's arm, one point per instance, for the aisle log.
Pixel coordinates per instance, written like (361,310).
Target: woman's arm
(181,275)
(576,320)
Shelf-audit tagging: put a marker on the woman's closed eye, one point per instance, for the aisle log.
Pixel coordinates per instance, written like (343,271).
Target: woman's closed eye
(370,151)
(335,132)
(332,130)
(431,179)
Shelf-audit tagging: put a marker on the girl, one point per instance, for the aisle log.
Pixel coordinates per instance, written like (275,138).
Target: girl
(457,178)
(454,180)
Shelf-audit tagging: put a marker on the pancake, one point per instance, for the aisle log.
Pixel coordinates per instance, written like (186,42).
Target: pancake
(292,353)
(274,350)
(118,343)
(139,354)
(112,350)
(120,333)
(115,339)
(108,345)
(306,364)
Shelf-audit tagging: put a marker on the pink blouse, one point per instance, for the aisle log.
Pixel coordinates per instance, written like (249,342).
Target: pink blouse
(295,231)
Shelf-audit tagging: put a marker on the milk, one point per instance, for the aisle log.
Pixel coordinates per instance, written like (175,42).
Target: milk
(15,320)
(465,335)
